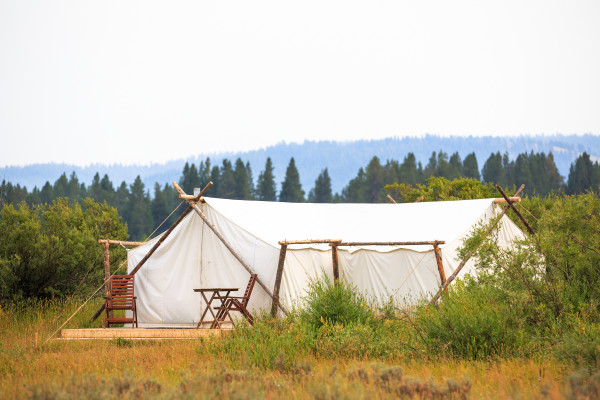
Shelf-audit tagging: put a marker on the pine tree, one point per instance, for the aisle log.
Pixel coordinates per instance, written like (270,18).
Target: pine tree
(204,172)
(160,207)
(431,167)
(121,197)
(215,177)
(291,189)
(61,186)
(242,190)
(354,192)
(442,168)
(227,189)
(408,170)
(321,193)
(455,170)
(265,186)
(509,171)
(522,172)
(107,191)
(470,167)
(554,181)
(138,213)
(47,193)
(583,175)
(74,188)
(493,170)
(391,172)
(95,189)
(184,179)
(373,186)
(250,181)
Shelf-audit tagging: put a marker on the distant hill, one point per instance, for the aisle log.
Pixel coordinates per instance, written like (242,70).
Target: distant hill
(343,159)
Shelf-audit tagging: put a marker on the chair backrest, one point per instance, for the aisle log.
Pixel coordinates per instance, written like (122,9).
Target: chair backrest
(249,288)
(121,291)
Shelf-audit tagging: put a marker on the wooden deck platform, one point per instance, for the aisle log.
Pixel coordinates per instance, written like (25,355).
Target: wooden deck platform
(140,333)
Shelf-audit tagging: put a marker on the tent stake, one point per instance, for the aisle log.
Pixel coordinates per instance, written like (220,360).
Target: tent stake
(278,279)
(468,257)
(229,247)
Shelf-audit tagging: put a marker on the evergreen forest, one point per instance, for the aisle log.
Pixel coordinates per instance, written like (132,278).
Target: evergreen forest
(143,208)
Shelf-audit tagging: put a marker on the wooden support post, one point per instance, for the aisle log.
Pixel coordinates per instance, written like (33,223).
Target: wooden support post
(229,247)
(468,257)
(106,247)
(335,260)
(391,199)
(278,277)
(509,202)
(438,259)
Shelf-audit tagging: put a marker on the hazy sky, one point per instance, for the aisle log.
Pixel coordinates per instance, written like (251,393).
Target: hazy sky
(148,81)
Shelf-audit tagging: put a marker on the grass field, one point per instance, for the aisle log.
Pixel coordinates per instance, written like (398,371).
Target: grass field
(270,360)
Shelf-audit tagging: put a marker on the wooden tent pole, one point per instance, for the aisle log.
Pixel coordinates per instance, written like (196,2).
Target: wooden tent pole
(106,247)
(336,270)
(509,203)
(468,257)
(229,247)
(391,199)
(438,259)
(278,276)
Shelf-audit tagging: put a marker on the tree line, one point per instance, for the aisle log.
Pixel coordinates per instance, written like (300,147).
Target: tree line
(143,211)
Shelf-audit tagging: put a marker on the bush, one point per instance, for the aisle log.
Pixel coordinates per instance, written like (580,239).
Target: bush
(327,303)
(473,321)
(52,250)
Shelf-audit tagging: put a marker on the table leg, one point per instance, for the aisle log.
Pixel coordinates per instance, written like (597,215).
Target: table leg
(208,308)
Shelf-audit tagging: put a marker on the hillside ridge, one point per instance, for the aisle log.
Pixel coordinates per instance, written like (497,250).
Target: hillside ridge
(343,159)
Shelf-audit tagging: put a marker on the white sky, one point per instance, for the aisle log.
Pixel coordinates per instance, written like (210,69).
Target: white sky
(136,82)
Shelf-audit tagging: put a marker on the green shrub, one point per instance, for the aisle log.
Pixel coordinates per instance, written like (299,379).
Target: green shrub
(473,321)
(327,303)
(52,250)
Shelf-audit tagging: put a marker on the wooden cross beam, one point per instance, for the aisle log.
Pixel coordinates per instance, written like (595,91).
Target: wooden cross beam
(510,204)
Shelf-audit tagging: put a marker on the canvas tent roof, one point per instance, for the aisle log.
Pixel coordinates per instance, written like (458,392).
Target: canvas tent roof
(276,221)
(194,257)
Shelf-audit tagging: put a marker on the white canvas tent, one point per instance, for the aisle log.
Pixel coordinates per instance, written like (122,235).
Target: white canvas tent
(192,256)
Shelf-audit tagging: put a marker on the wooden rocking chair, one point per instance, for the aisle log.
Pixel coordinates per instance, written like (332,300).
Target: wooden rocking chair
(121,297)
(238,303)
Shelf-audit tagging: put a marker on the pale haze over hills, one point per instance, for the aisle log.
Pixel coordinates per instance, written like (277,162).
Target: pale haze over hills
(343,159)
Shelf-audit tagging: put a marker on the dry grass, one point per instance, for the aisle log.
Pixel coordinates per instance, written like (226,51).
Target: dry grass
(185,369)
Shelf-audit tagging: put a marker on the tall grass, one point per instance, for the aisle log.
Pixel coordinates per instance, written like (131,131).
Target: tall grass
(368,354)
